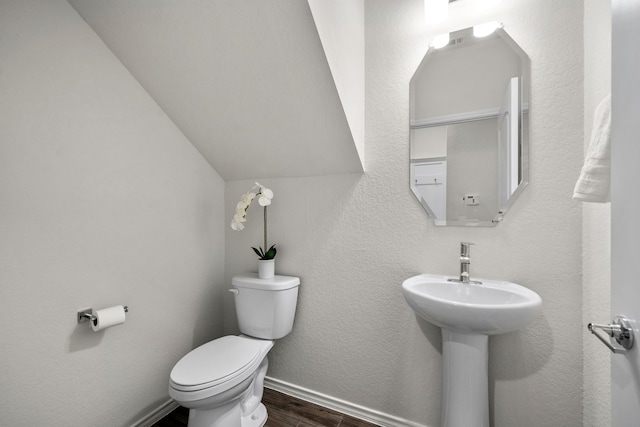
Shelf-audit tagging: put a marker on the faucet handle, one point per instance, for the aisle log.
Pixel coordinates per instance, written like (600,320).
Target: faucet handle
(464,248)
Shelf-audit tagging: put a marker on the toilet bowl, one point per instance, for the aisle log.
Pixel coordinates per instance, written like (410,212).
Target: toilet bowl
(221,382)
(222,379)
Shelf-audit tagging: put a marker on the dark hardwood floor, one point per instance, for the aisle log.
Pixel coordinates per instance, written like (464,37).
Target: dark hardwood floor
(284,411)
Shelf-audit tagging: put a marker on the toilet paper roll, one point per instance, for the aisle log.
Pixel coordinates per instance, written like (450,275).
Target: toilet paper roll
(108,317)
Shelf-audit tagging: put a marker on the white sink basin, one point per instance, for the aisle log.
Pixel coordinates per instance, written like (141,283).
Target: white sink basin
(491,308)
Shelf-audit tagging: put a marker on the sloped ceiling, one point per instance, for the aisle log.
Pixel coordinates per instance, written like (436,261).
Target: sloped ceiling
(246,81)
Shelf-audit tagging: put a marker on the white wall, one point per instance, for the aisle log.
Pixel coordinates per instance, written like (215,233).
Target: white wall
(103,201)
(428,142)
(354,238)
(247,82)
(596,244)
(340,25)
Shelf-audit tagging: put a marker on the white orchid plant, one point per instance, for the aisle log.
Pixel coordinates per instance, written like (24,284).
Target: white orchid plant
(240,217)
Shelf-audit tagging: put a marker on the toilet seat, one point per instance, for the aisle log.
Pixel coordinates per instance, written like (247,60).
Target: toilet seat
(230,359)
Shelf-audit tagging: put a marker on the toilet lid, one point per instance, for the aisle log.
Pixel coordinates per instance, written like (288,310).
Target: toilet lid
(216,361)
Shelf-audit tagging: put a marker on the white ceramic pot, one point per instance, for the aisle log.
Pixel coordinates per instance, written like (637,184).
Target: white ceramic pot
(266,268)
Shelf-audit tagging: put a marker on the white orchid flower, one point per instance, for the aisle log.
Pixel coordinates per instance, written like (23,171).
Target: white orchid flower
(247,198)
(265,195)
(240,217)
(236,225)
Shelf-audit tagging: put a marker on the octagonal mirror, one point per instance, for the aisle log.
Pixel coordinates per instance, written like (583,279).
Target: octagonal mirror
(469,128)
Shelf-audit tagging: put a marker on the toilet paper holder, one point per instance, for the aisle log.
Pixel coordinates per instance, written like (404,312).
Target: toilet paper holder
(87,314)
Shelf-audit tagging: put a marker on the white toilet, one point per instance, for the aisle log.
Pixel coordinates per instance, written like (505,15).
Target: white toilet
(221,382)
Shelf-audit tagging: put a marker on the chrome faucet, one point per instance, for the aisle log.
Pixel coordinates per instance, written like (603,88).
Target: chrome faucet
(465,262)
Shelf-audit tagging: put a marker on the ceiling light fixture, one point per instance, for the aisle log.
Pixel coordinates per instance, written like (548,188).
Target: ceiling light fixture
(440,41)
(483,30)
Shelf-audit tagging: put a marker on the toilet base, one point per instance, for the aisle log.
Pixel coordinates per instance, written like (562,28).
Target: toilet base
(228,417)
(257,419)
(232,409)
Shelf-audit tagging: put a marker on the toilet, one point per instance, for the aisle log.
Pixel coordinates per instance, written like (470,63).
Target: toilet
(221,382)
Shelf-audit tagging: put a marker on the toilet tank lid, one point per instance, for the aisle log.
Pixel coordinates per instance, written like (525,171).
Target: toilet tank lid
(278,283)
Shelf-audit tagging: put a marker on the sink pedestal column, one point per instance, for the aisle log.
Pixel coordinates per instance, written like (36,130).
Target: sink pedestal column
(465,385)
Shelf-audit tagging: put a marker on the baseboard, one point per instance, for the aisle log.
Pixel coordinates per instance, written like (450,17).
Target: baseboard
(157,414)
(339,405)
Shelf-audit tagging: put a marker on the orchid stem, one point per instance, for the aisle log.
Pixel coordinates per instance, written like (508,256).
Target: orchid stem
(265,229)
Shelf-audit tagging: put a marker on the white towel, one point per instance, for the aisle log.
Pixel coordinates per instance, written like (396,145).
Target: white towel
(594,182)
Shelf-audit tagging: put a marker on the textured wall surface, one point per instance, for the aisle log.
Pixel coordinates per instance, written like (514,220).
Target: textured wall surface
(103,201)
(354,238)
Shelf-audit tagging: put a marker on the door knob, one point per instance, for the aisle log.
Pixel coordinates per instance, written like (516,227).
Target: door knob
(620,329)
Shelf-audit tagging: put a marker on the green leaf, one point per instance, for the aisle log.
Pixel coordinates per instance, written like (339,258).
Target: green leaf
(258,252)
(271,253)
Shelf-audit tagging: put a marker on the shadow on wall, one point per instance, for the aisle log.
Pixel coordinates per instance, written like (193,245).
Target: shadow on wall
(83,337)
(208,326)
(432,333)
(534,346)
(512,366)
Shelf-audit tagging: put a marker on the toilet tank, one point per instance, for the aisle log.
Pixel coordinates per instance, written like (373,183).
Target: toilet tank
(265,308)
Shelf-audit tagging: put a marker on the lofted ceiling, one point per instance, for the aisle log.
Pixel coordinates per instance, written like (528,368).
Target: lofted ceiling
(246,81)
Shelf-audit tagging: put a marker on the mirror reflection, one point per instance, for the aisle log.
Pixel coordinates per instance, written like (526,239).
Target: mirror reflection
(469,128)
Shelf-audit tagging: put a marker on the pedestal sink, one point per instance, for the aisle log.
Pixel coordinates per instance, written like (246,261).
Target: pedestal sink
(468,313)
